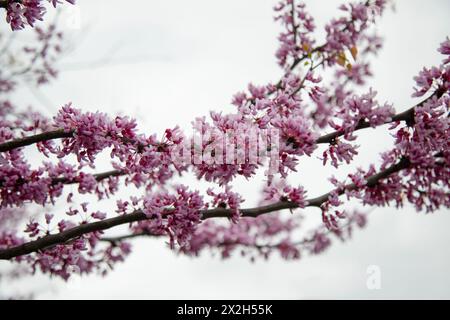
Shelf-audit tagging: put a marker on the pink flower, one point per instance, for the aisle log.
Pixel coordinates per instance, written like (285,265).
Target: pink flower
(296,39)
(445,50)
(297,195)
(227,199)
(176,214)
(98,215)
(14,15)
(296,135)
(27,11)
(33,11)
(425,80)
(339,152)
(87,183)
(48,217)
(356,109)
(32,229)
(288,250)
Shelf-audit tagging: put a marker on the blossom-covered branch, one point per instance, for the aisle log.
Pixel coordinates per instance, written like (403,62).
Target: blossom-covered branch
(406,116)
(26,12)
(139,215)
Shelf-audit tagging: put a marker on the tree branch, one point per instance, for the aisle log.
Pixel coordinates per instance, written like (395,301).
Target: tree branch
(98,176)
(41,137)
(407,116)
(60,133)
(138,215)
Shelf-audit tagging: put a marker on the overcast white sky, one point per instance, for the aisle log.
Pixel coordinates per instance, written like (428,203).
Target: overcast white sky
(166,62)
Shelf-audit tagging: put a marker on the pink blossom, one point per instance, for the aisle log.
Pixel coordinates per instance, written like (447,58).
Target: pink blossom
(357,109)
(19,13)
(288,250)
(296,195)
(296,40)
(445,50)
(176,214)
(98,215)
(227,199)
(339,152)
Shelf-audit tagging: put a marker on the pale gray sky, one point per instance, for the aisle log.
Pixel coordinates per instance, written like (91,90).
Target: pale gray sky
(166,63)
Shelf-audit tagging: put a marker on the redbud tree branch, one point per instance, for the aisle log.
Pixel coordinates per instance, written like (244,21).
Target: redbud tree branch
(138,215)
(129,236)
(41,137)
(98,177)
(319,48)
(407,116)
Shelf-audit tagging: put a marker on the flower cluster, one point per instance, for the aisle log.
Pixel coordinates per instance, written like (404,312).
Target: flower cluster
(432,78)
(79,256)
(296,41)
(249,235)
(27,12)
(176,214)
(445,50)
(280,191)
(354,73)
(363,108)
(354,113)
(338,152)
(343,33)
(227,200)
(261,237)
(221,150)
(34,61)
